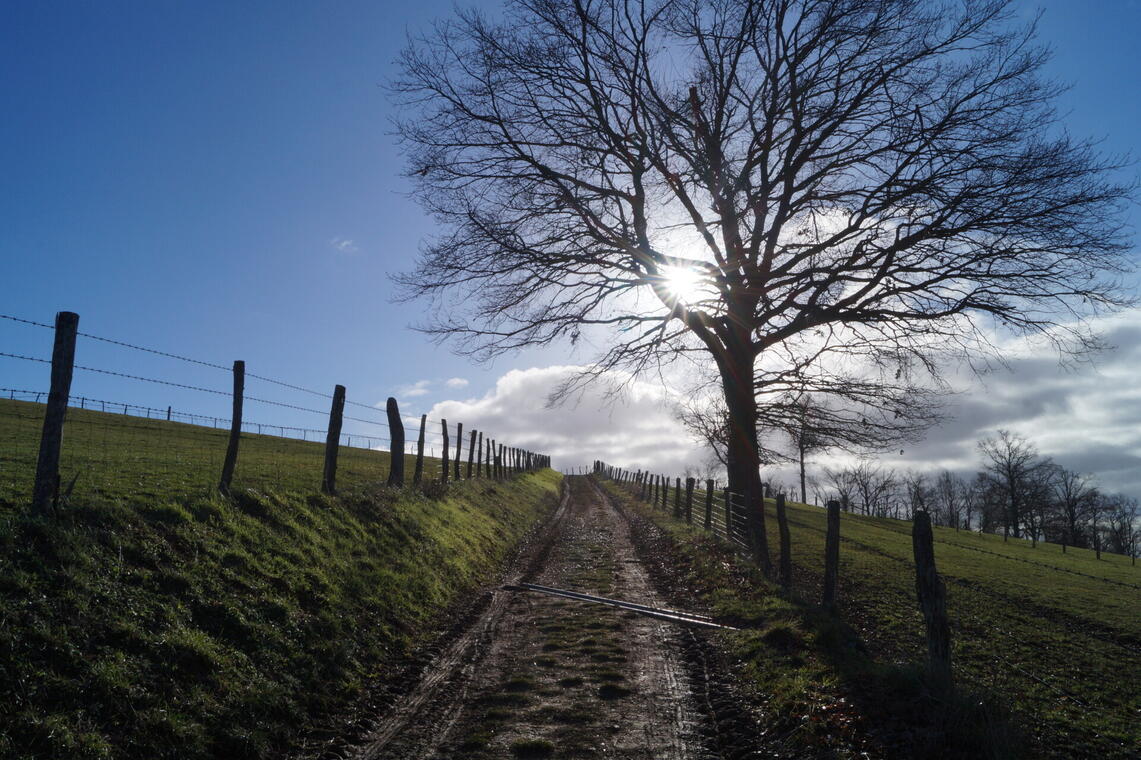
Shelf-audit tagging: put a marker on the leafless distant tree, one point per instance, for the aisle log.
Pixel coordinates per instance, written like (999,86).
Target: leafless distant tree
(1075,500)
(763,183)
(1016,475)
(1123,531)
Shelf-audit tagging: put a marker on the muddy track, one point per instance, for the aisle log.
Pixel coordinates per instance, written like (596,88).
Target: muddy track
(539,676)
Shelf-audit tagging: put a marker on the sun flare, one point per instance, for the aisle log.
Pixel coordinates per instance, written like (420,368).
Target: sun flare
(683,283)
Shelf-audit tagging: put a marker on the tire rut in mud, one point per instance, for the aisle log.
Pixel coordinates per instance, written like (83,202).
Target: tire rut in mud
(539,676)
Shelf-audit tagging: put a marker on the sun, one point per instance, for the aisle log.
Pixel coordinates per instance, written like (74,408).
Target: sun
(684,283)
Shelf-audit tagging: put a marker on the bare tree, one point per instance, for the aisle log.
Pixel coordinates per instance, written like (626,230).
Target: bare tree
(1016,473)
(1076,499)
(1121,524)
(762,183)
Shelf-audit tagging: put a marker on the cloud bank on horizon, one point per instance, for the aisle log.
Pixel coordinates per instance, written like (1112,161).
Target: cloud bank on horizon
(1087,418)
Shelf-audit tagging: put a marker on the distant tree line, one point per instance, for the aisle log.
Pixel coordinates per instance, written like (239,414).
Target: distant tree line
(1016,492)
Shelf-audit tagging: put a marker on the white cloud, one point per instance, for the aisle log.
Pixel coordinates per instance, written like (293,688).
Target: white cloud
(344,245)
(637,431)
(456,382)
(418,388)
(1088,419)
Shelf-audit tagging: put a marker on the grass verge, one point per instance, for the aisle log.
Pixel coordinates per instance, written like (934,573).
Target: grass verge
(203,627)
(820,691)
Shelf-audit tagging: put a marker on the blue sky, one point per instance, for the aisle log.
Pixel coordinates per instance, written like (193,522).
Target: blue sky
(219,180)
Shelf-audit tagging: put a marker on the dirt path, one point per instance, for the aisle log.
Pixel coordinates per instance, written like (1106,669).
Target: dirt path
(538,676)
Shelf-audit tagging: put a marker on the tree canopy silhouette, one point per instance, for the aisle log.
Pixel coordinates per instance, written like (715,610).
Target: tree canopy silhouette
(763,182)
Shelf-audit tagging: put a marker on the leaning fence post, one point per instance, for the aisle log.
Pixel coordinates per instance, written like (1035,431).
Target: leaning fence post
(785,547)
(689,485)
(333,441)
(932,599)
(832,554)
(709,504)
(396,445)
(46,487)
(235,428)
(418,473)
(444,452)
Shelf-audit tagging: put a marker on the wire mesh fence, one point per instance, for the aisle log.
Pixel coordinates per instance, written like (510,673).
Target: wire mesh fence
(124,450)
(1062,643)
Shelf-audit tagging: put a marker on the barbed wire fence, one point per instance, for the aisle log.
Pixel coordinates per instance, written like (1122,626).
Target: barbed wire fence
(984,619)
(119,449)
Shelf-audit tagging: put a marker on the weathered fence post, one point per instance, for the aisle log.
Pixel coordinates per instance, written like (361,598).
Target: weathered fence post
(46,487)
(709,504)
(665,493)
(728,515)
(459,447)
(785,545)
(470,454)
(677,498)
(396,445)
(832,555)
(932,599)
(418,474)
(689,485)
(444,453)
(168,414)
(479,456)
(235,428)
(333,441)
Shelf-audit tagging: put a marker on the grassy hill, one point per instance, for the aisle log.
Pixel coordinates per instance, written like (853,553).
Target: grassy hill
(152,618)
(1054,637)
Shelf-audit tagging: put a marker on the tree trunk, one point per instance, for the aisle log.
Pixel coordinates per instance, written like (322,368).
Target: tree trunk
(743,456)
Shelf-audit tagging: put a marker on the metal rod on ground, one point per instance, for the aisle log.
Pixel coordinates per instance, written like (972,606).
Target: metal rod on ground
(235,428)
(418,474)
(333,441)
(46,487)
(396,445)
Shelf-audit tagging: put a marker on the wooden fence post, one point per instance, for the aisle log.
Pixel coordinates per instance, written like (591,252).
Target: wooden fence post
(418,474)
(333,441)
(168,414)
(665,493)
(235,428)
(499,463)
(832,555)
(396,445)
(459,447)
(785,545)
(728,515)
(470,454)
(677,498)
(444,453)
(45,491)
(479,456)
(932,599)
(689,485)
(709,504)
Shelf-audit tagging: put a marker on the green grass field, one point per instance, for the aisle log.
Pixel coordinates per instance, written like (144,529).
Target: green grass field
(152,618)
(123,457)
(1055,637)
